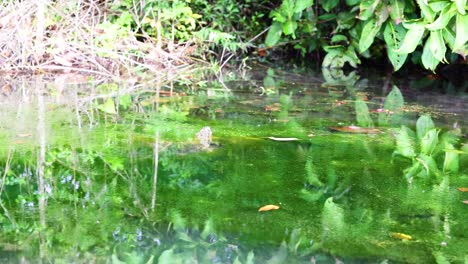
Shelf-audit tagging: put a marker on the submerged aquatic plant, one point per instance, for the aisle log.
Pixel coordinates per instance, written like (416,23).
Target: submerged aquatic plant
(423,148)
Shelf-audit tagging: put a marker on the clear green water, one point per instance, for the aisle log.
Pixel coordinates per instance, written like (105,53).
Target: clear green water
(342,196)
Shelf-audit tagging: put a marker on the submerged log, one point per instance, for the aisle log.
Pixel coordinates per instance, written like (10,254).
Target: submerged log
(355,129)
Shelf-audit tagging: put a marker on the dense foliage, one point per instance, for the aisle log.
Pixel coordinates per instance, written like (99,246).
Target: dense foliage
(350,29)
(345,30)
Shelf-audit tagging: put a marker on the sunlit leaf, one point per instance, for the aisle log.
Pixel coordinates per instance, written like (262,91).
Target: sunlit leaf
(268,207)
(429,141)
(437,45)
(108,107)
(282,139)
(451,161)
(367,8)
(423,125)
(461,6)
(444,18)
(369,31)
(401,236)
(426,11)
(412,37)
(405,142)
(393,36)
(396,12)
(289,28)
(428,60)
(250,258)
(429,165)
(461,36)
(274,34)
(449,37)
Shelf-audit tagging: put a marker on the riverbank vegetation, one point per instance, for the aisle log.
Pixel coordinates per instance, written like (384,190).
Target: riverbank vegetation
(127,38)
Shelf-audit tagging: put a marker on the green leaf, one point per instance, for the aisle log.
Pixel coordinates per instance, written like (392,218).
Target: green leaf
(429,164)
(461,6)
(405,142)
(429,141)
(428,60)
(444,18)
(427,13)
(461,36)
(369,31)
(168,256)
(328,5)
(289,28)
(108,107)
(367,8)
(451,162)
(423,125)
(393,36)
(250,258)
(412,37)
(437,45)
(274,34)
(362,114)
(397,9)
(302,4)
(449,37)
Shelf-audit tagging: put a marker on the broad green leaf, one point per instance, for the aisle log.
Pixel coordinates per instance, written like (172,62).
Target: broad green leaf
(393,36)
(428,60)
(338,38)
(328,5)
(405,142)
(452,159)
(300,5)
(369,31)
(444,18)
(396,11)
(429,141)
(449,37)
(412,37)
(438,6)
(429,164)
(437,45)
(289,28)
(461,6)
(362,114)
(274,34)
(381,14)
(169,257)
(427,13)
(423,125)
(108,107)
(412,171)
(367,8)
(461,36)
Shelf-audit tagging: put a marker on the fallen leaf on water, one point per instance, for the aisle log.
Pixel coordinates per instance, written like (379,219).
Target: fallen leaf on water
(463,189)
(401,236)
(282,139)
(268,208)
(465,202)
(355,129)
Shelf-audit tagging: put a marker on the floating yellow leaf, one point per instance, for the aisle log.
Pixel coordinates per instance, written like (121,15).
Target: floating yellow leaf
(401,236)
(463,189)
(268,207)
(283,139)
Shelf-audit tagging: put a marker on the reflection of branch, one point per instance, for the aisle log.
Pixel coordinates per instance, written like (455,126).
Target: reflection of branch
(155,175)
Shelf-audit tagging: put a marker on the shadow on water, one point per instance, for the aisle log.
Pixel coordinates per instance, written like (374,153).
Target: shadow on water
(354,170)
